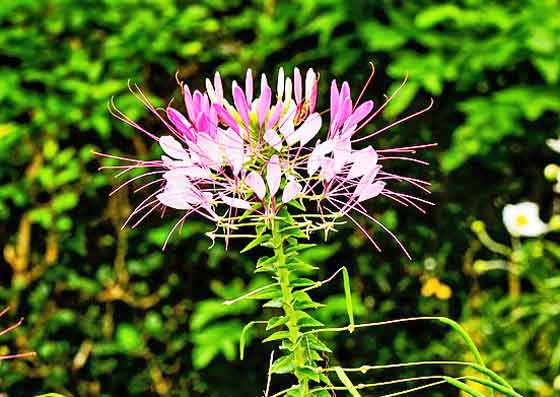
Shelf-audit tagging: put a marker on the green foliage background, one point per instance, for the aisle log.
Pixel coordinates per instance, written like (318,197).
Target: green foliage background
(109,314)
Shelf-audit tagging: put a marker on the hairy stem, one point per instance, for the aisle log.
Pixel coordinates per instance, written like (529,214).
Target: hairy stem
(283,275)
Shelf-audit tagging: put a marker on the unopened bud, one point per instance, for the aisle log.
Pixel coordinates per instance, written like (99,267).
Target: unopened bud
(478,226)
(551,172)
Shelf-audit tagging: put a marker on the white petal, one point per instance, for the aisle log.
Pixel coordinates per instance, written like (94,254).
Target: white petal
(366,180)
(235,202)
(280,83)
(273,139)
(173,148)
(256,183)
(554,144)
(523,220)
(210,91)
(288,89)
(363,161)
(318,156)
(287,124)
(208,152)
(291,190)
(173,199)
(273,175)
(231,146)
(308,129)
(342,154)
(371,191)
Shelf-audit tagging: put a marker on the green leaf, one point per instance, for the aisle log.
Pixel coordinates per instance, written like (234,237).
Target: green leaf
(277,336)
(348,297)
(276,322)
(283,365)
(243,337)
(305,320)
(315,344)
(346,381)
(307,372)
(255,243)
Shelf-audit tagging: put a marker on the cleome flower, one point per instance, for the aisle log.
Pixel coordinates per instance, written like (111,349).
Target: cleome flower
(5,331)
(522,220)
(236,160)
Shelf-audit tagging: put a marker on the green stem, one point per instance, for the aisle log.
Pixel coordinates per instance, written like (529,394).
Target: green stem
(283,275)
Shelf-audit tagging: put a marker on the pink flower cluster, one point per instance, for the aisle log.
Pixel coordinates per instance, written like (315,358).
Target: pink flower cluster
(256,154)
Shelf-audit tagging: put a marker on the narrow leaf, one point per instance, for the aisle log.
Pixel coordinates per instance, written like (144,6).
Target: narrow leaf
(255,242)
(346,382)
(276,322)
(277,335)
(242,339)
(348,297)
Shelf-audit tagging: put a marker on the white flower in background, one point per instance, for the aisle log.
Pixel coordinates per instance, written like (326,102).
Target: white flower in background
(554,144)
(522,220)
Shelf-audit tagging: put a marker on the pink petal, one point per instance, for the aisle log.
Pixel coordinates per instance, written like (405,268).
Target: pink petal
(226,117)
(197,103)
(203,123)
(297,85)
(241,104)
(264,103)
(313,97)
(180,122)
(273,139)
(275,116)
(308,129)
(362,111)
(344,91)
(334,99)
(371,191)
(256,183)
(291,190)
(187,97)
(173,148)
(345,111)
(213,121)
(235,202)
(273,175)
(310,82)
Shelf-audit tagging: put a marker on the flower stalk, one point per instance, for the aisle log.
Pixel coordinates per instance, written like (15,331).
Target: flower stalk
(283,275)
